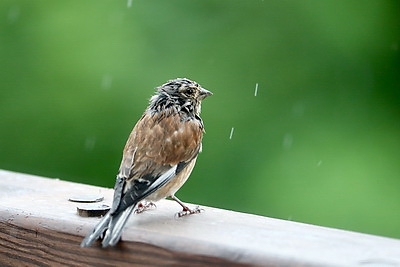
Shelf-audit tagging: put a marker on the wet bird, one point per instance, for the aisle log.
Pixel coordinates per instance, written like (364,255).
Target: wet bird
(158,157)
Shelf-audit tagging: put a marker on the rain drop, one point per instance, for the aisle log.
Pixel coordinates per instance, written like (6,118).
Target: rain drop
(90,143)
(106,82)
(256,90)
(230,136)
(13,14)
(287,141)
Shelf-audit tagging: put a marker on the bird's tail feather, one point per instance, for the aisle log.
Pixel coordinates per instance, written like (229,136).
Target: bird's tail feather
(112,225)
(116,226)
(97,231)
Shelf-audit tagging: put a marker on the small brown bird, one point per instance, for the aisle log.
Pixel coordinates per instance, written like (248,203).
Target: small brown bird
(158,157)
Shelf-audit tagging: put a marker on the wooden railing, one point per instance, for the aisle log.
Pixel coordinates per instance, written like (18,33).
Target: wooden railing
(39,226)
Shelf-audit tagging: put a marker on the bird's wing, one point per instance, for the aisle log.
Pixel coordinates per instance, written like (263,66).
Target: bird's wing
(158,148)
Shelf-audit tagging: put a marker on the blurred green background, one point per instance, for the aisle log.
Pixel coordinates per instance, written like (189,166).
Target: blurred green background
(320,143)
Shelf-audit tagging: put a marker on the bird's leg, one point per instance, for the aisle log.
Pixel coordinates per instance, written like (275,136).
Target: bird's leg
(145,205)
(186,210)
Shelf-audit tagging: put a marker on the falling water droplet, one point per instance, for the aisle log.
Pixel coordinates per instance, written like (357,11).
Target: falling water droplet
(287,141)
(106,81)
(13,14)
(230,136)
(90,143)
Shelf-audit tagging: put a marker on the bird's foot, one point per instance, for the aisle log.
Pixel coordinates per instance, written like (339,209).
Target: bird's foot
(143,206)
(187,211)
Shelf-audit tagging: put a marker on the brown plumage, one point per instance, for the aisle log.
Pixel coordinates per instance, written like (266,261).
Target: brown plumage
(158,157)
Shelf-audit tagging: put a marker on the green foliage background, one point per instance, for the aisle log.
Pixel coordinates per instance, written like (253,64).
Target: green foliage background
(320,143)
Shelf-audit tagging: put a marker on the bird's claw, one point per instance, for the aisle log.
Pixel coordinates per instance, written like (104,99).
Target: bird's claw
(142,207)
(187,211)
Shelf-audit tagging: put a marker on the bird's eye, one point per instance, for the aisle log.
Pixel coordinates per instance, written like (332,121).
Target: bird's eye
(189,91)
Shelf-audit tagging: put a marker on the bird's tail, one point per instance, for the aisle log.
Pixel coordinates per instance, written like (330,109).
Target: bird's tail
(112,225)
(117,223)
(97,231)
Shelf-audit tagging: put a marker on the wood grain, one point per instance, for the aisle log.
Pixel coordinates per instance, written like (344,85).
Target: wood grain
(39,226)
(40,247)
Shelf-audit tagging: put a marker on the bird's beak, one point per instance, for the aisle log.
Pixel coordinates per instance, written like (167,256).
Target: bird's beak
(204,93)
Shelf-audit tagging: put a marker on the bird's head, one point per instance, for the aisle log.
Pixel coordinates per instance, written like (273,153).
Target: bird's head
(180,94)
(184,89)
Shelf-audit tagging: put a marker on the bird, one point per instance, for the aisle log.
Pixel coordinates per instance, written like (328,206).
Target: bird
(158,157)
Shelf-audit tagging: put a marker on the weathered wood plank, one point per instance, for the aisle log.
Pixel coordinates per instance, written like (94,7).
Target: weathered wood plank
(39,225)
(20,246)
